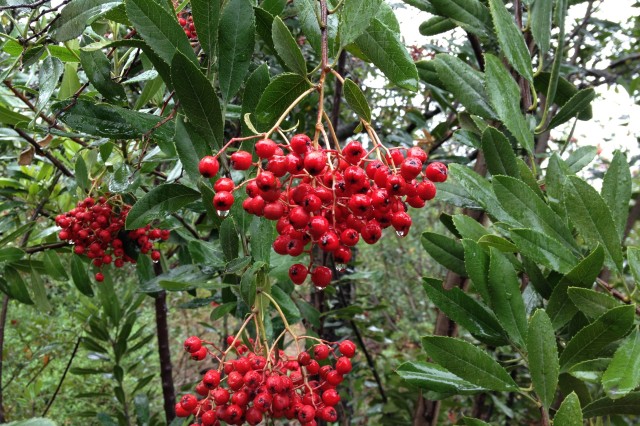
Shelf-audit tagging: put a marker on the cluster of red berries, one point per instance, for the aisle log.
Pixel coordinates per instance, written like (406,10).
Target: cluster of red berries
(186,22)
(327,197)
(253,387)
(97,230)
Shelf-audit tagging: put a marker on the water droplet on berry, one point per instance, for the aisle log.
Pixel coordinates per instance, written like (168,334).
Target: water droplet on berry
(156,261)
(340,267)
(319,288)
(71,242)
(222,213)
(401,234)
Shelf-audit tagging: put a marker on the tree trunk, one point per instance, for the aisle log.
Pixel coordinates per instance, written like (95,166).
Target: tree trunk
(3,323)
(164,352)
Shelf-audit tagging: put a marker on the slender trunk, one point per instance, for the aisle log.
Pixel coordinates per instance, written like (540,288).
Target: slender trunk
(3,322)
(164,352)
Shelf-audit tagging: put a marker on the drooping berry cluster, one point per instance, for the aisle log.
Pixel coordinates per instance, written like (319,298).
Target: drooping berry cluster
(252,387)
(97,230)
(327,197)
(186,22)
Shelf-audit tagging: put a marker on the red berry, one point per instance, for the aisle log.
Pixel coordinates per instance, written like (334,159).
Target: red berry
(200,354)
(343,365)
(266,148)
(321,276)
(223,184)
(241,160)
(321,352)
(330,397)
(189,402)
(437,172)
(223,201)
(347,348)
(211,379)
(300,144)
(209,166)
(315,162)
(99,277)
(298,273)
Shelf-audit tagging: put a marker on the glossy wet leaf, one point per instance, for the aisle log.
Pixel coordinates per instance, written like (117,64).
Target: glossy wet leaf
(543,357)
(287,47)
(355,17)
(357,100)
(429,376)
(206,16)
(76,15)
(511,39)
(444,250)
(160,202)
(544,249)
(616,190)
(623,374)
(470,15)
(98,69)
(236,36)
(279,94)
(569,413)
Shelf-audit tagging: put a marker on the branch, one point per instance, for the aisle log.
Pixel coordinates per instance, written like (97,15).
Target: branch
(64,374)
(44,247)
(615,293)
(43,153)
(24,6)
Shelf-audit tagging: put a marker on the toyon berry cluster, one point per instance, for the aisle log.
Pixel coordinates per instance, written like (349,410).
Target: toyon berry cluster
(186,22)
(331,198)
(252,388)
(97,230)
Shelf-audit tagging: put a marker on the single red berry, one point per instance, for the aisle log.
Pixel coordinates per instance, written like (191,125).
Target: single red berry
(330,397)
(306,414)
(189,402)
(300,144)
(266,148)
(349,237)
(401,221)
(321,276)
(211,379)
(343,365)
(223,184)
(99,277)
(315,162)
(313,367)
(181,412)
(200,354)
(426,190)
(328,414)
(347,348)
(371,232)
(209,418)
(437,172)
(410,168)
(241,160)
(353,152)
(334,378)
(253,416)
(209,166)
(321,352)
(220,396)
(223,201)
(298,273)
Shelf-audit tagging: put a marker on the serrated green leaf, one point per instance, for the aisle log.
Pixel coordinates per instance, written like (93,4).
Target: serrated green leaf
(206,16)
(287,48)
(466,84)
(543,357)
(527,176)
(308,13)
(76,15)
(80,276)
(258,81)
(159,29)
(504,96)
(541,13)
(499,155)
(511,40)
(497,242)
(98,69)
(198,99)
(633,257)
(229,240)
(470,15)
(450,193)
(536,278)
(428,73)
(159,202)
(563,92)
(629,404)
(53,266)
(444,250)
(356,100)
(623,374)
(468,362)
(465,311)
(190,148)
(616,190)
(289,309)
(222,310)
(281,92)
(505,298)
(261,231)
(9,254)
(236,36)
(560,307)
(591,340)
(383,47)
(469,227)
(355,17)
(436,25)
(81,173)
(543,249)
(592,218)
(591,303)
(578,103)
(477,267)
(569,413)
(580,158)
(432,377)
(48,76)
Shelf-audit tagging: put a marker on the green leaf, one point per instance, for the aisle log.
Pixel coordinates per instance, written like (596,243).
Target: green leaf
(222,310)
(436,25)
(564,91)
(287,48)
(541,12)
(451,193)
(444,250)
(504,95)
(77,15)
(536,278)
(468,362)
(10,117)
(616,190)
(578,103)
(469,227)
(505,298)
(80,276)
(356,100)
(629,404)
(48,77)
(511,40)
(16,288)
(230,242)
(308,13)
(623,374)
(529,178)
(477,267)
(560,307)
(206,16)
(544,249)
(53,265)
(466,84)
(355,17)
(81,173)
(569,413)
(159,29)
(98,69)
(261,231)
(521,202)
(281,92)
(502,244)
(432,377)
(470,15)
(39,292)
(592,218)
(464,310)
(248,283)
(159,202)
(469,421)
(258,81)
(237,38)
(580,158)
(424,5)
(289,309)
(499,155)
(543,357)
(590,302)
(190,149)
(633,257)
(9,254)
(198,99)
(591,340)
(70,81)
(383,47)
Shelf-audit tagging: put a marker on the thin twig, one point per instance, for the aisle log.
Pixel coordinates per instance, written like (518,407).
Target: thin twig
(44,247)
(64,374)
(615,293)
(42,152)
